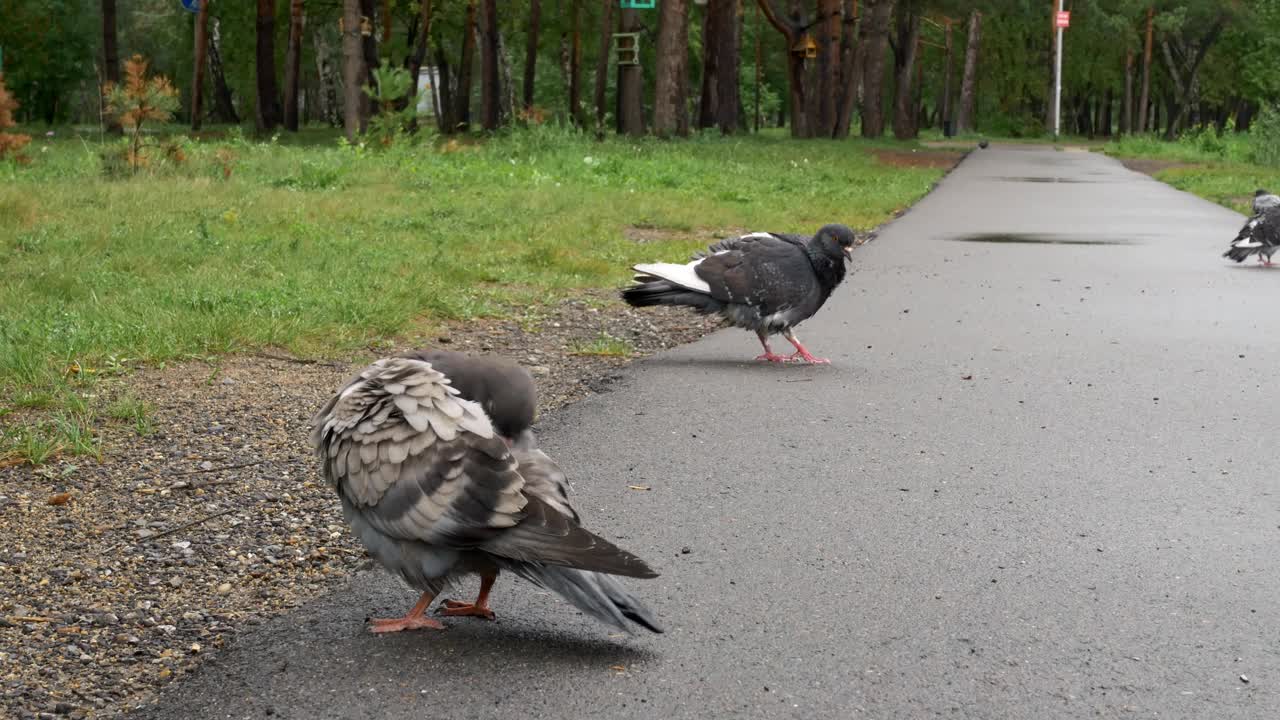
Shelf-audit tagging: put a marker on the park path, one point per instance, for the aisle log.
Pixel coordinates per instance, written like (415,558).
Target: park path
(1037,482)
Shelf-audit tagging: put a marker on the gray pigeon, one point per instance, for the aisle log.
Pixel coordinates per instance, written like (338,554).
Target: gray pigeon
(1260,236)
(433,492)
(1264,200)
(766,282)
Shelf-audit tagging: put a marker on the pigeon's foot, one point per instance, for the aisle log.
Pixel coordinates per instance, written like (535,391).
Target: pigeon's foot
(772,357)
(805,356)
(479,608)
(390,625)
(455,608)
(801,353)
(413,620)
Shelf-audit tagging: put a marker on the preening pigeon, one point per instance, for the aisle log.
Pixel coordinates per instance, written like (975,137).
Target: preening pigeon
(1264,200)
(431,489)
(766,282)
(1260,236)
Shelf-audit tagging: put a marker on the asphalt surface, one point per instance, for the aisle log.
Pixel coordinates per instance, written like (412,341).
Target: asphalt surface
(1036,482)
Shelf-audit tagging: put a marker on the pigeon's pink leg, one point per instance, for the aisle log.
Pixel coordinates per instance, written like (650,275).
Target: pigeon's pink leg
(414,620)
(801,353)
(768,351)
(479,608)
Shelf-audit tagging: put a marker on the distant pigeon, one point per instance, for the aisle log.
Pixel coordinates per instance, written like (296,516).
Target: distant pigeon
(1260,236)
(1264,200)
(431,489)
(766,282)
(983,144)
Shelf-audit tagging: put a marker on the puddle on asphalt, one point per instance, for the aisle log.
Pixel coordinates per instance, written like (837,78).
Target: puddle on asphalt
(1040,179)
(1034,239)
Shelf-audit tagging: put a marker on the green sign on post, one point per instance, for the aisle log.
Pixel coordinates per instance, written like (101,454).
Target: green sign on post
(639,4)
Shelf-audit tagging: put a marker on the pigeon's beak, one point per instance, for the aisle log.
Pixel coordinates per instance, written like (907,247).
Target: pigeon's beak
(848,251)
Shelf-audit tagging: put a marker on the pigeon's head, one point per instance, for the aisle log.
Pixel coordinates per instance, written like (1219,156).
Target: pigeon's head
(1260,192)
(838,241)
(502,388)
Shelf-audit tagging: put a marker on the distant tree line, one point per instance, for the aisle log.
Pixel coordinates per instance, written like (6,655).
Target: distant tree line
(821,68)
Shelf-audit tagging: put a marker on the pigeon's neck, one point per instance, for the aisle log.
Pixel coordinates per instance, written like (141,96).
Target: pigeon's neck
(830,271)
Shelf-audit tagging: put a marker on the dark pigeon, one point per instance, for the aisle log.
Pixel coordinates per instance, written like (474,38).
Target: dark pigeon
(1260,236)
(431,489)
(766,282)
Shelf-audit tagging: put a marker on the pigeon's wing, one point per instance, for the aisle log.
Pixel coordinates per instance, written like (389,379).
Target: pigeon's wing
(544,479)
(732,243)
(769,272)
(419,463)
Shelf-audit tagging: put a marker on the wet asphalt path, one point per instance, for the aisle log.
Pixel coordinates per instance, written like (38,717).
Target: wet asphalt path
(1033,484)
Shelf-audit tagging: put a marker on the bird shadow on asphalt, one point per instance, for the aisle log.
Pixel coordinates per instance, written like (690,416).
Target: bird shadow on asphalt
(490,645)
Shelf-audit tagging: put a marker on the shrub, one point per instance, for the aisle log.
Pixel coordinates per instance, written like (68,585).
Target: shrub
(11,144)
(1264,137)
(139,100)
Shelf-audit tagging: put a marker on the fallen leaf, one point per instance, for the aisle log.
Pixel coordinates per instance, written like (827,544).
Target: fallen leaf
(966,377)
(638,487)
(618,668)
(59,499)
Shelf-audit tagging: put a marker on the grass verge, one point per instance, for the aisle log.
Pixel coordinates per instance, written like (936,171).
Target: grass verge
(321,249)
(1215,167)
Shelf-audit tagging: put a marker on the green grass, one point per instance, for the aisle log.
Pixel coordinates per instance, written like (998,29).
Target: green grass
(1217,168)
(320,248)
(605,345)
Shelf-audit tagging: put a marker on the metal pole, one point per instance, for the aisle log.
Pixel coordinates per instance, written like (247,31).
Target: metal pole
(1057,79)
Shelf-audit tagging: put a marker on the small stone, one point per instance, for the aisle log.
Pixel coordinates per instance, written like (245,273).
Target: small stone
(540,370)
(228,381)
(206,465)
(1244,679)
(175,581)
(224,588)
(685,550)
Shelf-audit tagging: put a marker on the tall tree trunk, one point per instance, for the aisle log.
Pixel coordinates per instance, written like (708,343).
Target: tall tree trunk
(200,54)
(602,64)
(421,42)
(268,105)
(904,125)
(850,70)
(1145,94)
(224,109)
(1244,115)
(946,77)
(506,81)
(799,99)
(719,101)
(969,81)
(1185,80)
(531,50)
(630,83)
(352,69)
(292,65)
(876,38)
(448,119)
(490,89)
(369,48)
(1104,123)
(1126,110)
(828,31)
(462,97)
(110,55)
(328,91)
(575,64)
(671,82)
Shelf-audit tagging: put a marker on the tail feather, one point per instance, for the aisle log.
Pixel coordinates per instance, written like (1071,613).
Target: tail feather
(652,291)
(600,596)
(1245,244)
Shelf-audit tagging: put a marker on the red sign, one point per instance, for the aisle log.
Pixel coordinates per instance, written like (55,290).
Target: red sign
(1062,19)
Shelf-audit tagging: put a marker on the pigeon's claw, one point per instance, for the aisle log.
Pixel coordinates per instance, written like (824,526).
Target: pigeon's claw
(804,356)
(772,357)
(455,608)
(801,353)
(479,608)
(413,620)
(390,625)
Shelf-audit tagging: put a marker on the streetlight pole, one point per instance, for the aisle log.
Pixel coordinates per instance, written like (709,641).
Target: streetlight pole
(1057,76)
